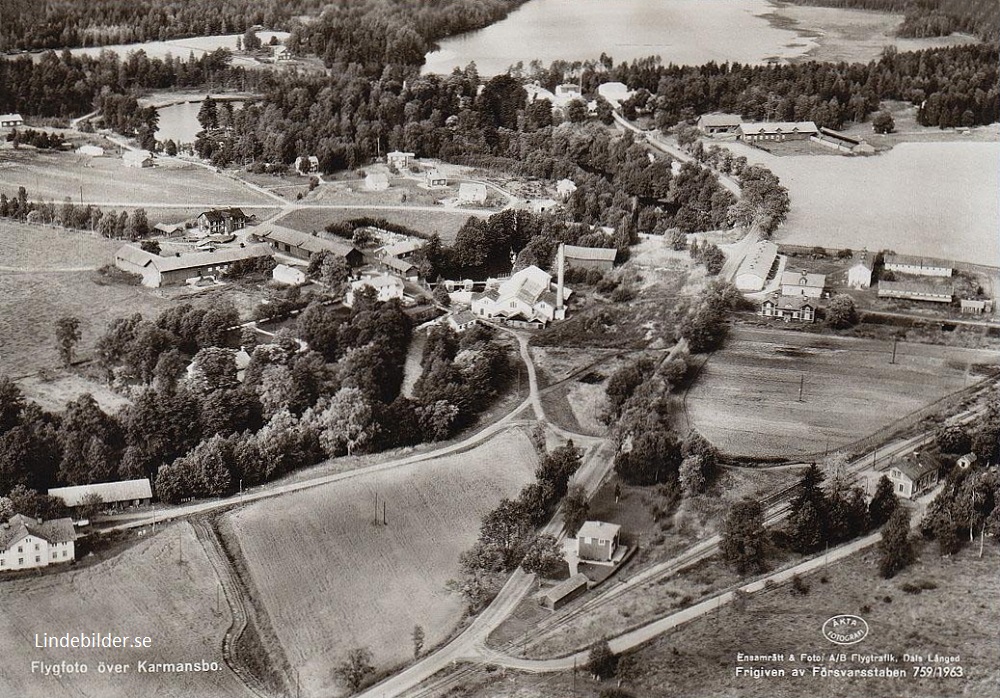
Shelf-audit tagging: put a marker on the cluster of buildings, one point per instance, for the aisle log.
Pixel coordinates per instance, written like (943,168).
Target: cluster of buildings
(778,131)
(919,472)
(526,298)
(916,290)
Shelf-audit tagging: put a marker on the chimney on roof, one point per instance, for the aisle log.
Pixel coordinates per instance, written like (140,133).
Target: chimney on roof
(560,272)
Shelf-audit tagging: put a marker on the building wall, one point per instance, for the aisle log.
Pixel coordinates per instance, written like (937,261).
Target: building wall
(749,282)
(594,550)
(859,277)
(22,555)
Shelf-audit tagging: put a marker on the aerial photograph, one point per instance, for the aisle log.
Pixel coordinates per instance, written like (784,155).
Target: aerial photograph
(500,348)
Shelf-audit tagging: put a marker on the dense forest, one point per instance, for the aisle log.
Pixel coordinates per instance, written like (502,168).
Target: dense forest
(932,17)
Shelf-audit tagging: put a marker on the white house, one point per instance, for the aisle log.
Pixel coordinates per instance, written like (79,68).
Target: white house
(597,541)
(471,193)
(789,308)
(304,165)
(525,296)
(967,461)
(377,181)
(756,267)
(137,158)
(399,160)
(11,120)
(436,179)
(26,543)
(919,266)
(281,53)
(801,283)
(913,475)
(462,320)
(93,151)
(288,276)
(387,287)
(860,274)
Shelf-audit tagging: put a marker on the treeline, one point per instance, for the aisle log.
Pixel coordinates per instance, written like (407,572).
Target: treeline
(69,215)
(374,33)
(62,85)
(28,25)
(42,140)
(932,17)
(961,78)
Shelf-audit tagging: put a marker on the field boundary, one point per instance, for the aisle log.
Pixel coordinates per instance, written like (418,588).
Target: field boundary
(275,660)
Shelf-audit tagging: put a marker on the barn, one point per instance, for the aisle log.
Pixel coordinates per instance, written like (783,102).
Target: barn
(295,243)
(591,257)
(159,271)
(120,494)
(756,267)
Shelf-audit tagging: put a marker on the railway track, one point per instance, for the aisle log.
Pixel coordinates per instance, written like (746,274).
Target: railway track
(234,594)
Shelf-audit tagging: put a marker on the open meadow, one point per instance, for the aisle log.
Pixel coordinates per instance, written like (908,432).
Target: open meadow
(146,592)
(445,222)
(105,180)
(331,580)
(745,400)
(933,199)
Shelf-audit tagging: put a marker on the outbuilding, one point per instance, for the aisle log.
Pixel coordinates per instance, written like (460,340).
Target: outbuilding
(597,541)
(860,273)
(756,267)
(119,494)
(564,592)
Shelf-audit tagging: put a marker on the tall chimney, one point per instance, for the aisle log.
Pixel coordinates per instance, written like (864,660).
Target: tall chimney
(561,262)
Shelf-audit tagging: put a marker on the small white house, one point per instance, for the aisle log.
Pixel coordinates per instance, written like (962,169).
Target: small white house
(377,181)
(461,321)
(306,165)
(137,158)
(288,276)
(93,151)
(11,120)
(387,287)
(912,476)
(436,179)
(471,193)
(565,188)
(860,274)
(399,160)
(281,53)
(967,461)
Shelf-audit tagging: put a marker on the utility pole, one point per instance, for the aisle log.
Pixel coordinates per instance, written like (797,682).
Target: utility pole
(893,359)
(802,383)
(384,521)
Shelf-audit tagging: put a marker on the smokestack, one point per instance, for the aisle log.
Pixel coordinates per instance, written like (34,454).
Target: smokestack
(561,262)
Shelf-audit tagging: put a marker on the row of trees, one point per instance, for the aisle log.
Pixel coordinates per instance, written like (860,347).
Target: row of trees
(112,225)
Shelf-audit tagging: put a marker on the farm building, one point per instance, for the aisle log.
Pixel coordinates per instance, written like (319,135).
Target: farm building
(471,193)
(461,321)
(123,493)
(800,283)
(598,541)
(281,53)
(860,274)
(776,131)
(137,158)
(756,267)
(305,165)
(377,181)
(915,291)
(399,160)
(841,141)
(26,543)
(159,271)
(967,461)
(719,123)
(402,268)
(919,266)
(591,257)
(288,276)
(11,120)
(524,296)
(436,179)
(93,151)
(565,188)
(387,287)
(303,245)
(564,592)
(971,306)
(224,220)
(543,205)
(913,475)
(789,308)
(401,250)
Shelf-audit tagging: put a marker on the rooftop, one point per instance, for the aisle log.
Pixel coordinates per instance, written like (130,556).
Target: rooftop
(720,119)
(802,278)
(304,241)
(19,526)
(598,529)
(915,287)
(909,260)
(567,587)
(109,492)
(779,127)
(915,467)
(606,254)
(759,260)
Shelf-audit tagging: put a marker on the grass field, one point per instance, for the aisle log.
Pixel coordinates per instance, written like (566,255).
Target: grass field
(145,591)
(745,399)
(934,199)
(56,175)
(444,222)
(331,580)
(957,618)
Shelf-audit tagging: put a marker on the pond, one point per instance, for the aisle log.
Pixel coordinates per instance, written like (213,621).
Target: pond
(179,122)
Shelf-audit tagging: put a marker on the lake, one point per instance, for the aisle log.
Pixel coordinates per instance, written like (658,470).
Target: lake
(688,32)
(932,199)
(180,121)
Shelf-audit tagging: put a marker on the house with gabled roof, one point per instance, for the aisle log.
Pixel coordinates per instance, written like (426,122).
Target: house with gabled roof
(597,541)
(913,475)
(756,267)
(224,220)
(525,296)
(802,283)
(11,120)
(719,123)
(789,308)
(157,271)
(27,543)
(860,273)
(295,243)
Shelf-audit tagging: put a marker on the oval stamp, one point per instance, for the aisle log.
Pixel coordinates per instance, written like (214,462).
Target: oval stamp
(845,629)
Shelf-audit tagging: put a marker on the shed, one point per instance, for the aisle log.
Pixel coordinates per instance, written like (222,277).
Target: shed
(967,461)
(437,178)
(590,257)
(719,123)
(564,592)
(11,120)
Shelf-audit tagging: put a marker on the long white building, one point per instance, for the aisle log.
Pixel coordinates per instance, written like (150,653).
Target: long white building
(756,267)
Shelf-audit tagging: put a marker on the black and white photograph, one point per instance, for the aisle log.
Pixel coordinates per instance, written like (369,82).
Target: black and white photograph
(500,348)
